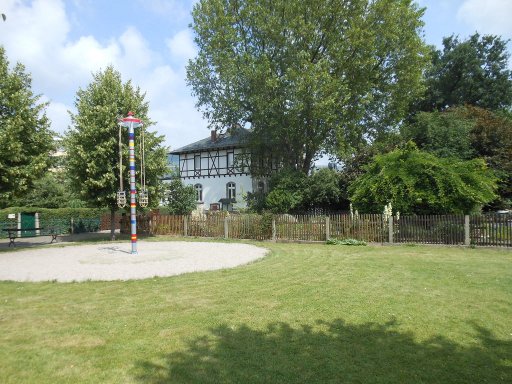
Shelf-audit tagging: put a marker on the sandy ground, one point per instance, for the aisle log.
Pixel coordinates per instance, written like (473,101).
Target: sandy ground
(114,261)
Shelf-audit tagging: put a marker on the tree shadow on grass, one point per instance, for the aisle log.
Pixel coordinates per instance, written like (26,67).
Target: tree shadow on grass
(331,352)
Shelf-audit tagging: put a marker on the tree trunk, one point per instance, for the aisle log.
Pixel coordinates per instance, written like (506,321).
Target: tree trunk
(112,223)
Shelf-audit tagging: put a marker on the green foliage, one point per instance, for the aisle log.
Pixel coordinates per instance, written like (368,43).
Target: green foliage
(323,190)
(180,199)
(492,140)
(307,76)
(474,71)
(444,134)
(92,142)
(57,214)
(24,133)
(64,220)
(50,191)
(346,242)
(256,201)
(291,190)
(418,182)
(466,133)
(286,191)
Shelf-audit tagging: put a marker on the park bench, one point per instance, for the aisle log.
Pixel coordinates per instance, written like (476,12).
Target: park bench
(13,233)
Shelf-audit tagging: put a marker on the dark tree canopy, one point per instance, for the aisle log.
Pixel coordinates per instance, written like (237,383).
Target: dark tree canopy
(308,76)
(444,134)
(25,137)
(473,71)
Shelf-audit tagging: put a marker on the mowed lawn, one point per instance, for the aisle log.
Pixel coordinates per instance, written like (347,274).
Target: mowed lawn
(307,313)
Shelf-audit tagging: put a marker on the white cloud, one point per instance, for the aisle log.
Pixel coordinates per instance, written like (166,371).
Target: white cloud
(39,36)
(59,116)
(79,59)
(136,52)
(487,16)
(168,8)
(182,46)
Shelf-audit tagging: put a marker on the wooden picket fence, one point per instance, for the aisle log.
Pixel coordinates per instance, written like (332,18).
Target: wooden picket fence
(491,230)
(168,225)
(480,230)
(429,229)
(367,227)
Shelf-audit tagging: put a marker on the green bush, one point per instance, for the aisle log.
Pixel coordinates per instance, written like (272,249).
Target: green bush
(180,198)
(58,213)
(84,219)
(417,182)
(346,242)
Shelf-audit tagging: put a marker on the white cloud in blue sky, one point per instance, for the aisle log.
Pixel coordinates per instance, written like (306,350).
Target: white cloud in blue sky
(62,43)
(493,16)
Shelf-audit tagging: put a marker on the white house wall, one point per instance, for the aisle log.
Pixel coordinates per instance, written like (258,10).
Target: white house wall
(214,189)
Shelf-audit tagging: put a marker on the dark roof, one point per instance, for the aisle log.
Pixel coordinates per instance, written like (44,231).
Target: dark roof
(237,138)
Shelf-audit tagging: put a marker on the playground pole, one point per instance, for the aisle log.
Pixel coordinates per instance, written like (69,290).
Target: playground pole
(131,122)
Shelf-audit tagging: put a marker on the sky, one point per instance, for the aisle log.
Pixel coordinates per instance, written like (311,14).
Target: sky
(63,42)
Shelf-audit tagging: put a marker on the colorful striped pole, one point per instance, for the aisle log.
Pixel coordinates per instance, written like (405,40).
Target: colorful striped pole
(132,123)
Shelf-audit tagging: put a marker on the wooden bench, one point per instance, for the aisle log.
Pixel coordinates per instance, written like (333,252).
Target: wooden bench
(13,233)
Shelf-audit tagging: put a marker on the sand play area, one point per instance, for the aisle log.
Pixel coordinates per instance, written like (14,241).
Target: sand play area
(114,261)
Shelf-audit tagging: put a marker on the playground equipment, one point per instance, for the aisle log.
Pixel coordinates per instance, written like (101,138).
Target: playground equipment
(131,123)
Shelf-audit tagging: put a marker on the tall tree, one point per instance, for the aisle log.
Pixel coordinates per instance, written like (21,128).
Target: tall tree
(24,133)
(473,71)
(307,76)
(92,143)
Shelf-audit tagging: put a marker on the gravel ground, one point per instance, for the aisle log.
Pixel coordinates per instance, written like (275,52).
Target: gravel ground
(114,261)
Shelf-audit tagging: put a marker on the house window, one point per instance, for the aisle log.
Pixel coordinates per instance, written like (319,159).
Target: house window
(230,190)
(261,186)
(199,192)
(197,162)
(231,160)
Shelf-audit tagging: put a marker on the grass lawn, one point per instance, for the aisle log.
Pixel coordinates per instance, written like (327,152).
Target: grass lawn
(308,313)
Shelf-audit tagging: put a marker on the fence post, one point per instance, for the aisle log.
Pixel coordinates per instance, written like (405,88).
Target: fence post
(72,226)
(467,238)
(390,229)
(327,228)
(274,229)
(185,225)
(226,230)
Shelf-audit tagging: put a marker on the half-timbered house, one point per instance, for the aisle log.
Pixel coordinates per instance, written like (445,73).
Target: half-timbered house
(218,167)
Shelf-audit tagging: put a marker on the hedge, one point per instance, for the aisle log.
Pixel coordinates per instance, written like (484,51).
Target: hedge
(84,219)
(57,213)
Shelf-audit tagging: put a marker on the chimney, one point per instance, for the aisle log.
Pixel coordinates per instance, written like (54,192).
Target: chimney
(214,136)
